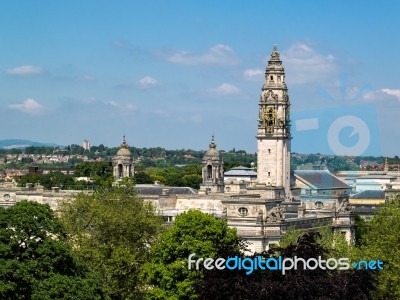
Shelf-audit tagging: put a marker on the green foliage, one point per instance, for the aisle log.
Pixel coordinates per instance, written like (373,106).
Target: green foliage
(142,178)
(192,180)
(360,230)
(167,275)
(100,171)
(36,261)
(334,242)
(52,179)
(382,242)
(189,175)
(112,230)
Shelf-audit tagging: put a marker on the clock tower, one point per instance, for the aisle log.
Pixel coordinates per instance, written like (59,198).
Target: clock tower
(273,134)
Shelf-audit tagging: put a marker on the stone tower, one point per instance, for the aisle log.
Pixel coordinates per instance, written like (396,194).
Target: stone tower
(212,170)
(123,162)
(273,135)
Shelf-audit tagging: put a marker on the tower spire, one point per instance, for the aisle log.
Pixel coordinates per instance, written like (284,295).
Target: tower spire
(273,134)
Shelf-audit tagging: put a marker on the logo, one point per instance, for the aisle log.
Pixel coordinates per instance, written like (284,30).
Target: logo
(280,264)
(342,129)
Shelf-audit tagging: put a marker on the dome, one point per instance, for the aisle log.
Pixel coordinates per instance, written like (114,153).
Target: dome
(212,152)
(124,151)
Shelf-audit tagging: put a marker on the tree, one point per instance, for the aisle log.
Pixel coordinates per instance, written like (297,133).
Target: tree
(35,259)
(167,275)
(192,180)
(142,178)
(381,241)
(112,230)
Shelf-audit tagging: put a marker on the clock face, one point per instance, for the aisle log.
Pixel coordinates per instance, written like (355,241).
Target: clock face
(269,114)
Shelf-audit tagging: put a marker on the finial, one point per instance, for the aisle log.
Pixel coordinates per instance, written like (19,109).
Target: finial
(124,144)
(275,48)
(212,144)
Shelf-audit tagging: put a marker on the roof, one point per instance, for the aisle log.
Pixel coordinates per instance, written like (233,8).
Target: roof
(377,176)
(124,151)
(240,171)
(212,152)
(164,190)
(320,179)
(369,194)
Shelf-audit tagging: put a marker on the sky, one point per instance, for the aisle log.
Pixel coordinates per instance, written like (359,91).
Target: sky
(172,73)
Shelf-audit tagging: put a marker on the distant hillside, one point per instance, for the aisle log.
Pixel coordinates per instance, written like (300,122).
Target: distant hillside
(17,143)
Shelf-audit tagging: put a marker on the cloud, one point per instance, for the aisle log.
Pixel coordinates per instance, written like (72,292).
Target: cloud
(87,78)
(226,89)
(392,92)
(125,107)
(304,64)
(25,70)
(147,82)
(253,74)
(382,95)
(217,55)
(29,106)
(196,118)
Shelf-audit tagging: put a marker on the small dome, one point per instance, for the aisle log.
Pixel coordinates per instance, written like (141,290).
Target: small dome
(212,152)
(124,151)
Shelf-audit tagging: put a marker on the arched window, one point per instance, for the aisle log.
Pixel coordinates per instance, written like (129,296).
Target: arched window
(209,172)
(120,172)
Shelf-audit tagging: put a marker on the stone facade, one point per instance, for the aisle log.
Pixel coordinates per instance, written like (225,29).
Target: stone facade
(212,170)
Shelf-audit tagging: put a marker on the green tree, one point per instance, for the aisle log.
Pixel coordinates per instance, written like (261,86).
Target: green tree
(35,259)
(167,275)
(142,178)
(113,230)
(382,241)
(192,180)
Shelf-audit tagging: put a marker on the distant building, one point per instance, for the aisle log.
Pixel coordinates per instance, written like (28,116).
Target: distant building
(123,162)
(86,145)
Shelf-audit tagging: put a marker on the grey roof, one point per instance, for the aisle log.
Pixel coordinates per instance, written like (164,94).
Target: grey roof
(166,190)
(376,176)
(240,171)
(369,194)
(320,179)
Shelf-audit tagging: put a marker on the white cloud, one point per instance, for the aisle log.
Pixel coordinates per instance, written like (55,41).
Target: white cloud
(25,70)
(392,92)
(304,64)
(147,82)
(217,55)
(253,74)
(29,106)
(125,107)
(382,95)
(196,118)
(226,89)
(88,78)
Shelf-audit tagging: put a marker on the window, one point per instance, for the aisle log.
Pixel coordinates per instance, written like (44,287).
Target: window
(319,204)
(271,78)
(243,211)
(269,174)
(209,172)
(6,197)
(269,150)
(279,79)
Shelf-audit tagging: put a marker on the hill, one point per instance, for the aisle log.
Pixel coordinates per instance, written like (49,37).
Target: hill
(19,143)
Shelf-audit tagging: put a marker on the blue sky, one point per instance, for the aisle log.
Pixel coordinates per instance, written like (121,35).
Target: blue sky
(172,73)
